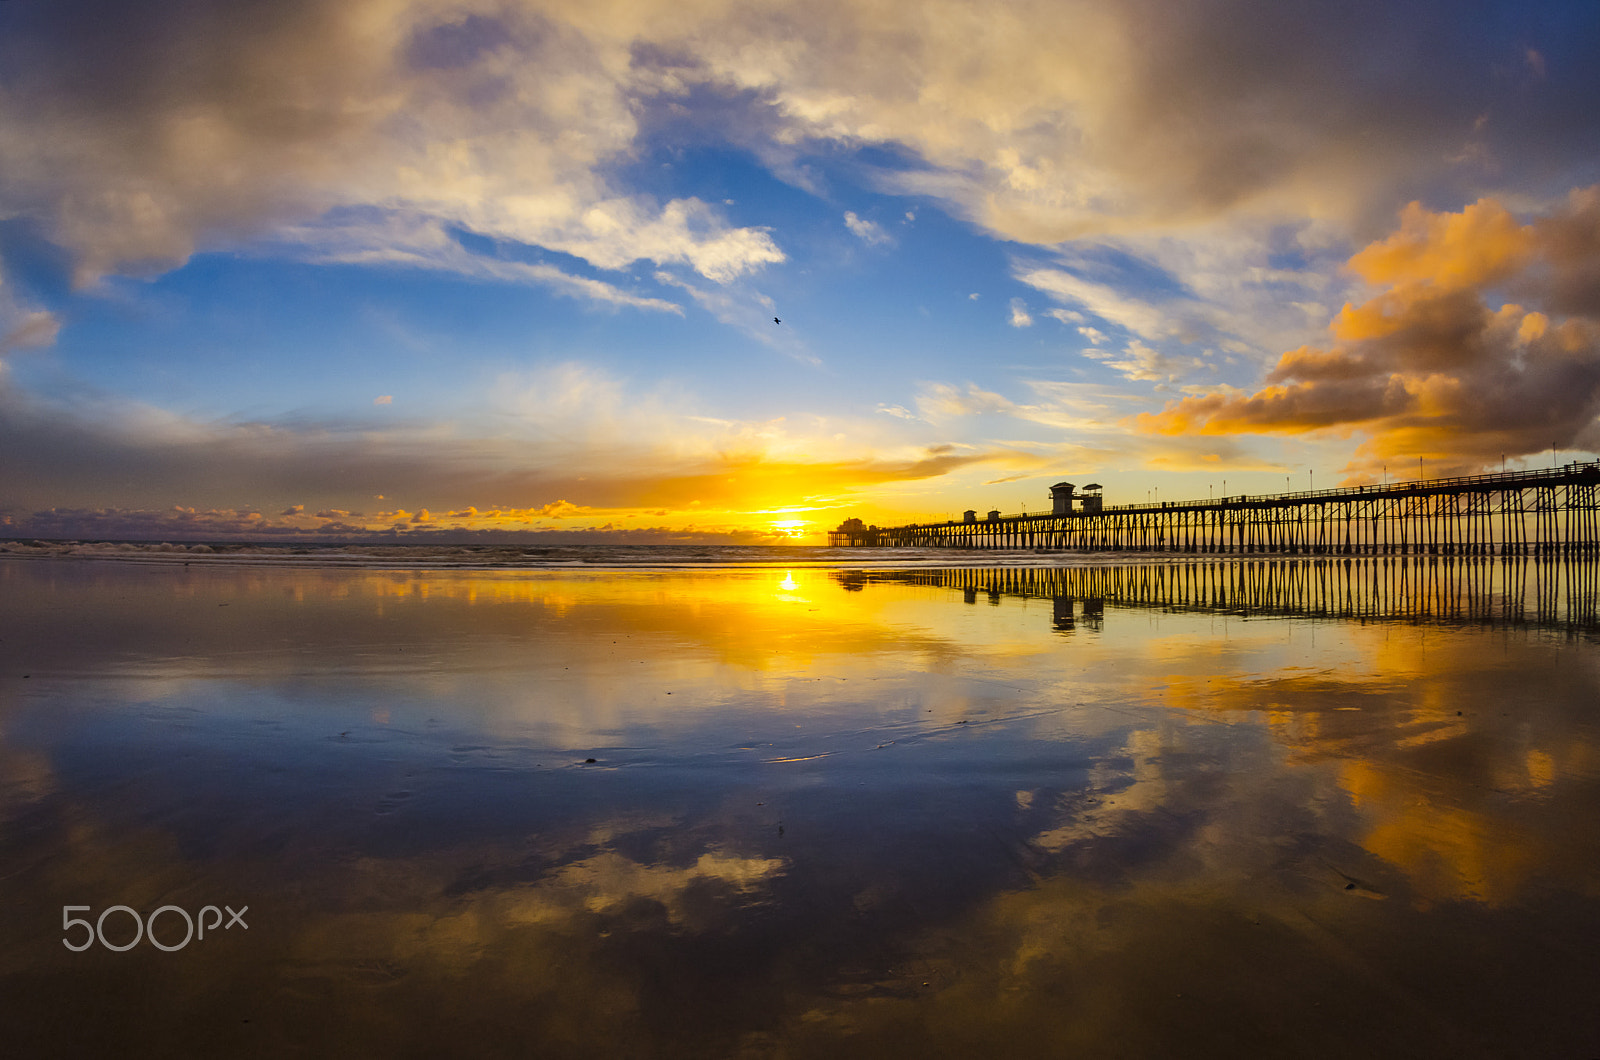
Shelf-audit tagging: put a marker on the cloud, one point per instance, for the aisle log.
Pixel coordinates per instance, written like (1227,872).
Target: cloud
(389,239)
(942,401)
(569,443)
(1051,121)
(1019,314)
(1434,364)
(383,399)
(23,326)
(138,133)
(868,232)
(71,525)
(28,328)
(1145,364)
(1106,302)
(1227,151)
(558,508)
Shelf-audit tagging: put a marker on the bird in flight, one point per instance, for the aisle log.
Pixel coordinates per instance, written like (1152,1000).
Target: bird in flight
(775,320)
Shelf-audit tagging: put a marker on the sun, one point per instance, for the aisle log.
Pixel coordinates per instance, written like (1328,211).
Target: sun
(790,528)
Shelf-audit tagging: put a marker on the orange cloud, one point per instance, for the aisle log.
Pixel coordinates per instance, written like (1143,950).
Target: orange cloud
(1481,244)
(1428,367)
(555,510)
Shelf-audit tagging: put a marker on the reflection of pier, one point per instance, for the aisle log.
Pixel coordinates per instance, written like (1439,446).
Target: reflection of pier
(1470,591)
(1550,512)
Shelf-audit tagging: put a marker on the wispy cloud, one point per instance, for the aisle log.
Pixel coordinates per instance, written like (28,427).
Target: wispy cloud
(740,306)
(1104,301)
(404,240)
(868,232)
(1143,363)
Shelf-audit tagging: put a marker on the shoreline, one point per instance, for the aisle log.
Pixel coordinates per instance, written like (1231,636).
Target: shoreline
(578,557)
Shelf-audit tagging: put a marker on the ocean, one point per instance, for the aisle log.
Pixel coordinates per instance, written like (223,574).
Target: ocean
(374,800)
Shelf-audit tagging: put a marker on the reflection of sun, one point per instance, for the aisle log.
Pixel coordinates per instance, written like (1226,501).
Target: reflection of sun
(788,582)
(790,527)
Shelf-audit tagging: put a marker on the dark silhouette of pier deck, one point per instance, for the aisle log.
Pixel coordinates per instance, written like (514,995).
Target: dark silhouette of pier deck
(1554,511)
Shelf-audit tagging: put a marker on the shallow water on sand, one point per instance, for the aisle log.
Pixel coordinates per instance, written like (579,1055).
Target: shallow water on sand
(1207,809)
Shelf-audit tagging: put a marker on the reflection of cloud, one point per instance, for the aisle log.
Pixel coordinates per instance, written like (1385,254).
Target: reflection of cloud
(1447,851)
(26,776)
(1200,858)
(410,950)
(710,621)
(1426,367)
(607,882)
(1445,785)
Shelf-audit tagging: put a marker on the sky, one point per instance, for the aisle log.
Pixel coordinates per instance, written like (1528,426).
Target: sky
(635,271)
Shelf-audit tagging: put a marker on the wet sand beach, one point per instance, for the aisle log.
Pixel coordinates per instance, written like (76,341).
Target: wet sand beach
(1288,808)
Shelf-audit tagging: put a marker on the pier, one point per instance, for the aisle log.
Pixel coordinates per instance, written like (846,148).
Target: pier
(1548,512)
